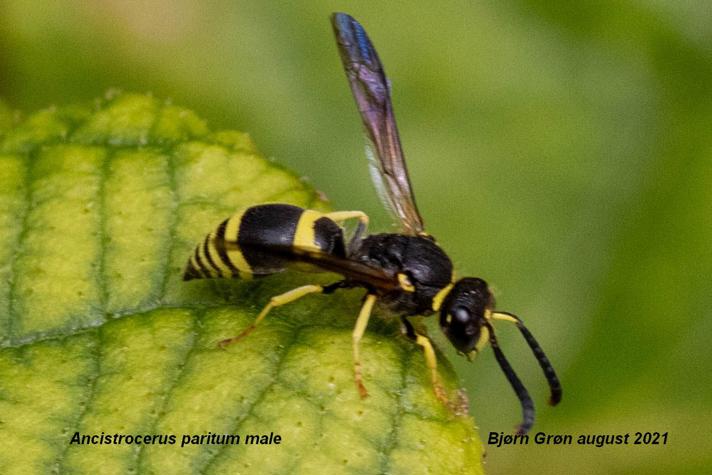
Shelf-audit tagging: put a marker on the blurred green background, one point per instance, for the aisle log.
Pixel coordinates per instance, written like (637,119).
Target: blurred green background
(561,151)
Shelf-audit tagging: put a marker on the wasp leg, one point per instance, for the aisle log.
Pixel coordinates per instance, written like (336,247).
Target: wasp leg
(359,329)
(340,216)
(276,301)
(430,359)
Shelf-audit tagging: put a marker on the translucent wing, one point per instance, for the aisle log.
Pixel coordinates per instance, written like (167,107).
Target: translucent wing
(371,90)
(354,270)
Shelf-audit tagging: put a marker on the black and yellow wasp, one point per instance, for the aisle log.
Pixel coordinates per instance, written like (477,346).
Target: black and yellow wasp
(407,272)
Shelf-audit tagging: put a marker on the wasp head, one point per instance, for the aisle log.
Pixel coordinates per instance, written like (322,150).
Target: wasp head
(462,315)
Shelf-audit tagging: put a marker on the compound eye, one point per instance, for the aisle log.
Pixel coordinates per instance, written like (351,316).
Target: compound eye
(456,319)
(461,315)
(461,328)
(466,322)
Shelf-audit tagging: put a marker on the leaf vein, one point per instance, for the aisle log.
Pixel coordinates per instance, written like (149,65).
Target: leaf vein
(89,394)
(139,456)
(14,316)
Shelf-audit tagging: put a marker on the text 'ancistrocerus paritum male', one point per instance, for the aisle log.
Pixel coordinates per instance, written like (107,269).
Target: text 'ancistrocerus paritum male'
(408,272)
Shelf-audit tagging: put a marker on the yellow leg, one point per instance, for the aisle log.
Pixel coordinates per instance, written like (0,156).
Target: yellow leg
(340,216)
(430,360)
(275,301)
(432,363)
(359,329)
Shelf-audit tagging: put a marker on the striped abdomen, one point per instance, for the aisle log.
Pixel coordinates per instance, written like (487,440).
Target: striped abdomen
(257,242)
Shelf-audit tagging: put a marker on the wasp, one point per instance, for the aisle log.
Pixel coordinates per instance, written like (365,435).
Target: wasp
(405,272)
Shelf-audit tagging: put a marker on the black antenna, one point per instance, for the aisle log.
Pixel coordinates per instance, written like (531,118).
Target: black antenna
(522,393)
(552,379)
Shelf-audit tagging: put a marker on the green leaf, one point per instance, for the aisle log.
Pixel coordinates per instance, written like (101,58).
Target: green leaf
(99,209)
(6,118)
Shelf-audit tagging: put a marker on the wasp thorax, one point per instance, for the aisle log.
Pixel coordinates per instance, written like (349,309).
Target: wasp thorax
(463,313)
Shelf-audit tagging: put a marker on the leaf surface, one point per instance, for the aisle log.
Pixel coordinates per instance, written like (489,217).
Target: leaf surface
(99,210)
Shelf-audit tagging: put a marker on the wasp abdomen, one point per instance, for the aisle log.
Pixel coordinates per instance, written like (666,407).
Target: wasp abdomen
(260,240)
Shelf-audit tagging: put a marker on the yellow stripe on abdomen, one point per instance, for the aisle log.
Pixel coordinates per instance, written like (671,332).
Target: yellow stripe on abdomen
(304,236)
(224,269)
(234,253)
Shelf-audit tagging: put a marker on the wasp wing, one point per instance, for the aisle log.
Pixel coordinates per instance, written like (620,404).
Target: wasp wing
(353,270)
(371,91)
